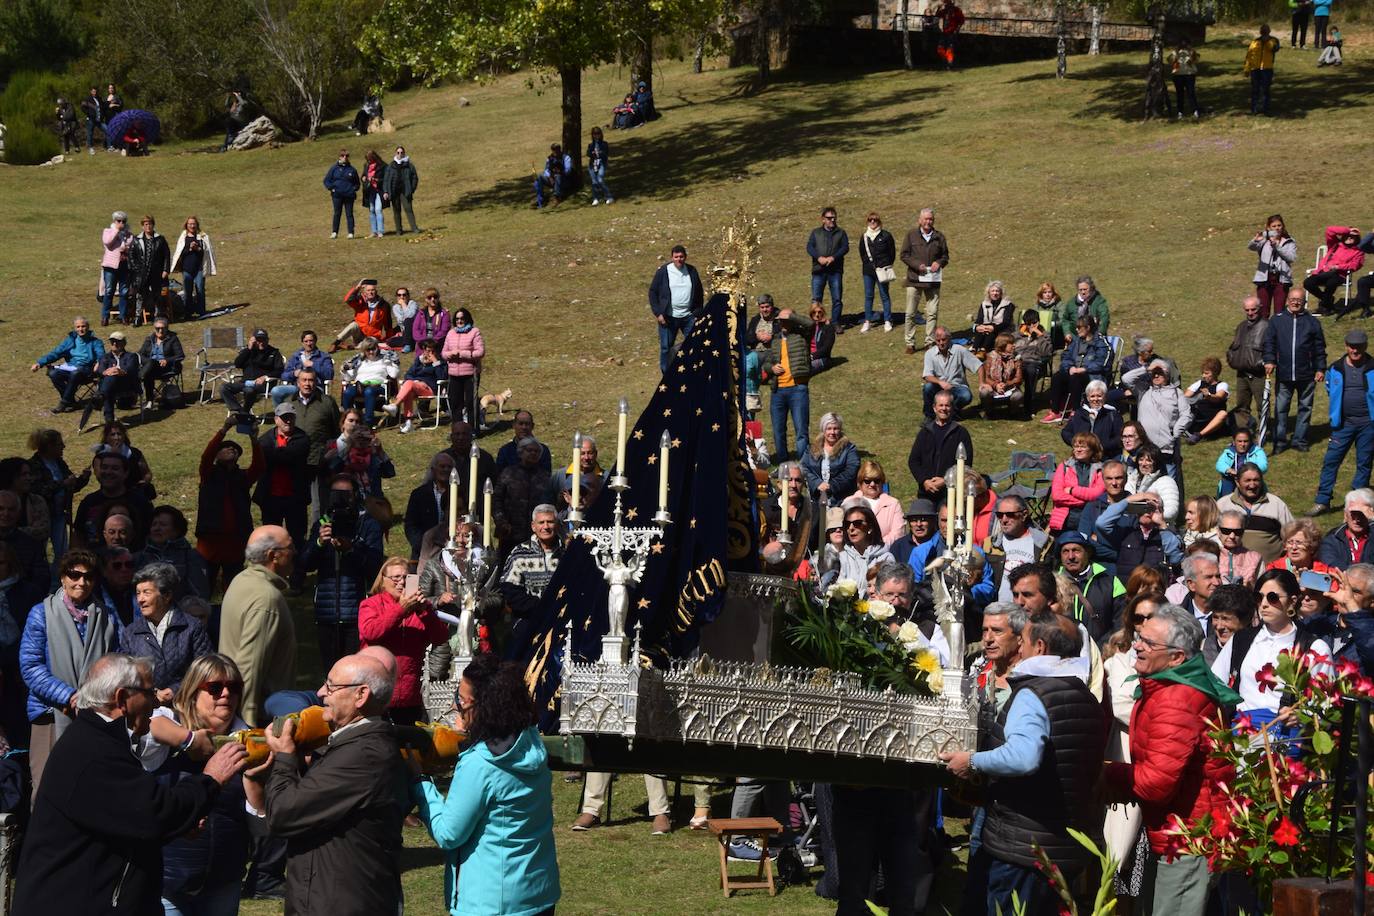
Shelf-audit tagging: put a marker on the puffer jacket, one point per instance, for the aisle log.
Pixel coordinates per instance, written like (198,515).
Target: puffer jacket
(1068,494)
(337,597)
(1275,256)
(1295,345)
(1105,424)
(184,641)
(797,338)
(1344,258)
(382,621)
(46,689)
(464,350)
(1172,771)
(1335,390)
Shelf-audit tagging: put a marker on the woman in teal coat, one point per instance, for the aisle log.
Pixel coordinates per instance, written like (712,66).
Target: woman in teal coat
(497,822)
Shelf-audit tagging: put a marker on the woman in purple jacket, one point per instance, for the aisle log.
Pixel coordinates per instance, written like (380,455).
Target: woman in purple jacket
(431,322)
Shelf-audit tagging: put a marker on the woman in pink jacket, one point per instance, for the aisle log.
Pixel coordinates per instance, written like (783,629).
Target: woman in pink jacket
(1077,482)
(114,267)
(1343,258)
(403,622)
(463,351)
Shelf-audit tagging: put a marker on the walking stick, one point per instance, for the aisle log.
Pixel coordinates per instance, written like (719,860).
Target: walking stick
(1264,415)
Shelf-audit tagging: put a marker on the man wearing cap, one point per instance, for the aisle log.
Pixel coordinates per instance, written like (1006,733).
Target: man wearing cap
(114,267)
(76,358)
(1104,596)
(371,316)
(936,448)
(1350,391)
(159,358)
(922,540)
(260,362)
(675,297)
(1294,355)
(1013,542)
(283,490)
(118,371)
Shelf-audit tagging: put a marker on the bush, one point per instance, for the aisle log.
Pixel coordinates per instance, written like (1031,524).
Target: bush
(27,108)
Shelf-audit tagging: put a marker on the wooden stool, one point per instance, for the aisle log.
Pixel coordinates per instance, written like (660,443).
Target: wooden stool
(760,828)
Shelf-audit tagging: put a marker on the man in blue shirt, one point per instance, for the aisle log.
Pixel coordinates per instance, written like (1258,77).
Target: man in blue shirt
(1045,751)
(76,356)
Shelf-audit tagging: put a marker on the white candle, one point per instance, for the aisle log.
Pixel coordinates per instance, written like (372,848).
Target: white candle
(472,481)
(486,514)
(576,471)
(959,508)
(620,443)
(664,443)
(786,487)
(452,504)
(949,523)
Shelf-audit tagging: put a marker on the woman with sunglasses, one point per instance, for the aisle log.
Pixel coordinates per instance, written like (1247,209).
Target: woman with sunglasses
(884,506)
(463,350)
(404,622)
(831,464)
(202,872)
(496,824)
(1238,564)
(161,631)
(863,548)
(431,322)
(1250,650)
(877,253)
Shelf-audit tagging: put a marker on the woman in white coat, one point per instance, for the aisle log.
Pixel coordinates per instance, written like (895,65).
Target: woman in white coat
(194,257)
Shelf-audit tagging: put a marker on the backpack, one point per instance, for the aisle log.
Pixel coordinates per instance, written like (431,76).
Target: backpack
(172,397)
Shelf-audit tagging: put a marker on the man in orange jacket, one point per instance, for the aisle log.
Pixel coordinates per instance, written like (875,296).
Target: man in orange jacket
(371,317)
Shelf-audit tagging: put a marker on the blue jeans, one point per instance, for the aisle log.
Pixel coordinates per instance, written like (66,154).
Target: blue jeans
(1030,888)
(752,361)
(193,292)
(282,393)
(836,283)
(870,282)
(342,205)
(667,334)
(115,277)
(372,394)
(556,182)
(90,132)
(376,216)
(1305,392)
(1362,437)
(216,901)
(1260,81)
(599,189)
(795,400)
(66,382)
(962,397)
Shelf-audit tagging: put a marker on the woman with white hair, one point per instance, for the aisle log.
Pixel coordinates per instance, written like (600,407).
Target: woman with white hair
(831,464)
(114,267)
(169,637)
(996,315)
(1098,417)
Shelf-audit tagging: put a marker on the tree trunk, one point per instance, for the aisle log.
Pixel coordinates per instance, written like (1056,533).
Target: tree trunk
(761,32)
(1061,29)
(1095,36)
(699,55)
(906,33)
(571,78)
(642,67)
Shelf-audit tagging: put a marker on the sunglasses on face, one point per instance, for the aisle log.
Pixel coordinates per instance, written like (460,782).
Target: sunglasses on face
(873,480)
(79,575)
(855,523)
(217,689)
(1231,530)
(1274,598)
(1012,514)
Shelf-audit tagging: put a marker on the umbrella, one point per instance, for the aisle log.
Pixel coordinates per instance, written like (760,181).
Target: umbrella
(146,120)
(1264,416)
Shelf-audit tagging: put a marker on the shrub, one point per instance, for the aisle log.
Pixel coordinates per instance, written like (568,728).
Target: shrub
(27,108)
(29,145)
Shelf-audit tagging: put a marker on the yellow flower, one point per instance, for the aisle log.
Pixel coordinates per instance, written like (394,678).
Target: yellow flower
(925,660)
(861,607)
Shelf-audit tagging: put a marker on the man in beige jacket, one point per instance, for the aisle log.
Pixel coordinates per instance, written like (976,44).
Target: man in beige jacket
(256,629)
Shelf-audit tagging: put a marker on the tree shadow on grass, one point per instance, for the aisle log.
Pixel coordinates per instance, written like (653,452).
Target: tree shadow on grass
(1295,95)
(785,127)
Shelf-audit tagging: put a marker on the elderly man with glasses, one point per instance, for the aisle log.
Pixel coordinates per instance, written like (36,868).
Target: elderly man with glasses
(160,359)
(1349,543)
(1014,542)
(1172,774)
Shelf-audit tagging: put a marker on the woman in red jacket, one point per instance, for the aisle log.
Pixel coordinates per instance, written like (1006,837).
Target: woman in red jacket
(1343,257)
(403,622)
(1077,482)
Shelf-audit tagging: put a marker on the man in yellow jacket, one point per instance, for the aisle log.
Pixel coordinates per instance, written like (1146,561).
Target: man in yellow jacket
(1259,64)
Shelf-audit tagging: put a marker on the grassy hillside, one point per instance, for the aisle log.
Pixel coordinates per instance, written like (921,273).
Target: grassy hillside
(1033,179)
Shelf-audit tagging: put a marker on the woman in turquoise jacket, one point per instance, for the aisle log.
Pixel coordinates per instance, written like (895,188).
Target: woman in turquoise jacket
(497,822)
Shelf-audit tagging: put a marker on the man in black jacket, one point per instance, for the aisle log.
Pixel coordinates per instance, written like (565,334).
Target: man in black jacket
(1246,355)
(260,362)
(160,358)
(118,371)
(149,262)
(675,297)
(283,490)
(99,822)
(936,448)
(341,816)
(1294,355)
(428,503)
(827,245)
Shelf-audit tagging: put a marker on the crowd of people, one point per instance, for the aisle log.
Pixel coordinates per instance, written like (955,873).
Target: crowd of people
(126,618)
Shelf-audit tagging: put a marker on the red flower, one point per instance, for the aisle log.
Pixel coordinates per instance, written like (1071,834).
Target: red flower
(1346,668)
(1287,833)
(1221,823)
(1266,678)
(1243,724)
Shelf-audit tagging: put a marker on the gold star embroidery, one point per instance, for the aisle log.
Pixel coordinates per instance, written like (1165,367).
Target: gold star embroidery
(681,368)
(662,387)
(657,548)
(633,513)
(639,434)
(707,342)
(643,602)
(698,411)
(715,427)
(692,523)
(562,590)
(676,442)
(715,353)
(652,459)
(667,411)
(682,389)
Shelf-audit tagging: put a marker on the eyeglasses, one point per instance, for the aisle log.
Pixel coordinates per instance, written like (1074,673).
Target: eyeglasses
(217,689)
(855,523)
(400,578)
(1274,598)
(1012,514)
(1235,531)
(1151,644)
(331,689)
(76,574)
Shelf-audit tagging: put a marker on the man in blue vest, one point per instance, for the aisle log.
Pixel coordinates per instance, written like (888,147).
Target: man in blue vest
(1350,390)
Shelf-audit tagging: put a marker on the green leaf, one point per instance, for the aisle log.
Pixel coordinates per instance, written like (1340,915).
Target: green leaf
(1278,857)
(1322,742)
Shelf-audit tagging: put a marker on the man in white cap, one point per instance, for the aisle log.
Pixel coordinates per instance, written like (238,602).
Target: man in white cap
(118,371)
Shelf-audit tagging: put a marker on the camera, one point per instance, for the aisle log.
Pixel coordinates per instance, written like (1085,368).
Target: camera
(343,515)
(1139,508)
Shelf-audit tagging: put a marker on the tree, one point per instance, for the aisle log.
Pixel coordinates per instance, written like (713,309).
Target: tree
(39,35)
(312,43)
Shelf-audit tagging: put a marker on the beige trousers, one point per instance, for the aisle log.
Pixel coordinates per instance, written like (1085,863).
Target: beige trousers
(914,295)
(594,798)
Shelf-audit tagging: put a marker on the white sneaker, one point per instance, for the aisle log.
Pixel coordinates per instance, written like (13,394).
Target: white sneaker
(864,328)
(147,405)
(333,235)
(406,426)
(350,235)
(93,151)
(887,326)
(596,202)
(390,409)
(609,201)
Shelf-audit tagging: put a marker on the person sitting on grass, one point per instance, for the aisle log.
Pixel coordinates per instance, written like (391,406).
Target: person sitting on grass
(1208,396)
(557,177)
(371,316)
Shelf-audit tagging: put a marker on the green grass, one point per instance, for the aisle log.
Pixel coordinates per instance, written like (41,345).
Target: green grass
(1033,179)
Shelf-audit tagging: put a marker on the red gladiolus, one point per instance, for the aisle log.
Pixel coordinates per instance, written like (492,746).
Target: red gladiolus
(1287,833)
(1266,678)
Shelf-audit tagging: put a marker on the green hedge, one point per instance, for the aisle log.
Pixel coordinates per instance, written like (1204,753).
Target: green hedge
(27,108)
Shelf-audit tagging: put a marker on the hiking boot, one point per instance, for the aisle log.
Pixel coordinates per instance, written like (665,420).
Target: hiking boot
(586,821)
(1317,509)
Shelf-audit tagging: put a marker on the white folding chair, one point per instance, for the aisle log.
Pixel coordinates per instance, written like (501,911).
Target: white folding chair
(215,372)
